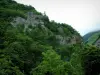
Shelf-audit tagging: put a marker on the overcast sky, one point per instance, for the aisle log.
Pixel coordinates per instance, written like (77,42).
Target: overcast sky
(82,15)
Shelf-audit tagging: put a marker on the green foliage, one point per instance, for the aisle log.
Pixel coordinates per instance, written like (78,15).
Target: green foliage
(36,50)
(93,38)
(51,64)
(91,59)
(76,60)
(65,52)
(11,13)
(7,67)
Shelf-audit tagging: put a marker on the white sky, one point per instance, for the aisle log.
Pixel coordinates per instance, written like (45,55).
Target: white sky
(82,15)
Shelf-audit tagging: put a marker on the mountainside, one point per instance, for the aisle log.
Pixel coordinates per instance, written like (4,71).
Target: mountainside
(86,36)
(31,44)
(26,33)
(92,38)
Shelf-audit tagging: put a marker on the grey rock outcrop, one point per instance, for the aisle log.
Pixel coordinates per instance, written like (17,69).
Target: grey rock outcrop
(32,19)
(65,40)
(97,43)
(37,20)
(60,30)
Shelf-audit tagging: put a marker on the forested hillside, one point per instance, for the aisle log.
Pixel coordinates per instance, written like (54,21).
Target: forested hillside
(31,44)
(92,38)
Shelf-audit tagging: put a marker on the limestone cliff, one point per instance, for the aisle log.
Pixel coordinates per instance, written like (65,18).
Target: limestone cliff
(38,21)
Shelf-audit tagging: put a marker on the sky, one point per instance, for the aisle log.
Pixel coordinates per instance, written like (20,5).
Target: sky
(82,15)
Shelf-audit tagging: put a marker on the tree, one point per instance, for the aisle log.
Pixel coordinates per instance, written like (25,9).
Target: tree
(6,65)
(51,65)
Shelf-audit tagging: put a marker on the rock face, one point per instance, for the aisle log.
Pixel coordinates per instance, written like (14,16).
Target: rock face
(67,40)
(97,43)
(62,40)
(32,19)
(60,30)
(37,20)
(17,21)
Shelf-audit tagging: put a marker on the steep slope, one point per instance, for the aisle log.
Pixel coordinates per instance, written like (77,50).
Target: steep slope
(86,36)
(28,40)
(92,38)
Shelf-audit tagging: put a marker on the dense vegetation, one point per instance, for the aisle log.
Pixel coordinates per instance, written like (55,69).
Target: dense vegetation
(91,37)
(38,51)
